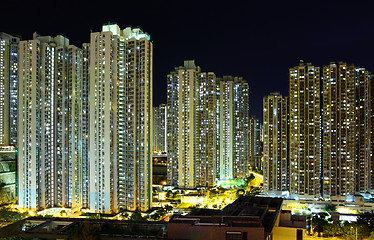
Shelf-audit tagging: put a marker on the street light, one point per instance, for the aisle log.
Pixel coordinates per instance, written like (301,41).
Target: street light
(356,231)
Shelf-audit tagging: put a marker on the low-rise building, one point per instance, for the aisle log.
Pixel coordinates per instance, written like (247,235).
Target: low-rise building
(246,218)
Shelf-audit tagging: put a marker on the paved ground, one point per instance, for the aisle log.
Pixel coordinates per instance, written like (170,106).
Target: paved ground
(307,237)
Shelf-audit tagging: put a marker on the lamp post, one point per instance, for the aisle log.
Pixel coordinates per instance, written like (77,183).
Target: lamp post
(356,231)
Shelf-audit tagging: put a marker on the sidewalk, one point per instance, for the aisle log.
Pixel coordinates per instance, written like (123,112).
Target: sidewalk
(308,237)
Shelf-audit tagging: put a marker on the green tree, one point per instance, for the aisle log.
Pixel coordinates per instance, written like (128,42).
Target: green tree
(332,230)
(371,237)
(330,208)
(137,216)
(84,231)
(169,194)
(3,195)
(168,208)
(349,232)
(318,222)
(214,191)
(366,219)
(253,191)
(95,216)
(160,213)
(7,215)
(221,190)
(363,231)
(13,238)
(250,178)
(240,192)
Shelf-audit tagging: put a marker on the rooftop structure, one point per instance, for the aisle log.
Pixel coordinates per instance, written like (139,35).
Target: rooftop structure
(246,218)
(62,228)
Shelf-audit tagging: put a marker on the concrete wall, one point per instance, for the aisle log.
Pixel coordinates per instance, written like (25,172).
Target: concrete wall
(286,233)
(188,231)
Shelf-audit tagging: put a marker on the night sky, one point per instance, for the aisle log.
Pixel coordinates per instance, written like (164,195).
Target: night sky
(259,40)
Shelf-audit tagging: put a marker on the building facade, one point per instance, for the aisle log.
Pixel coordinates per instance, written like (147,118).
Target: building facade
(85,123)
(206,130)
(255,144)
(338,118)
(233,127)
(49,166)
(104,73)
(364,171)
(8,89)
(305,131)
(275,130)
(191,127)
(136,121)
(86,132)
(347,130)
(159,129)
(181,94)
(120,120)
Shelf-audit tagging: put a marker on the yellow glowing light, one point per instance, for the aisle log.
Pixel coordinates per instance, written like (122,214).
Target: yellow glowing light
(346,210)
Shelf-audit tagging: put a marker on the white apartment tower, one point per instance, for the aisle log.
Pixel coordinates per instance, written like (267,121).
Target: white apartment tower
(49,169)
(191,127)
(85,123)
(233,127)
(120,120)
(104,58)
(135,122)
(181,96)
(8,89)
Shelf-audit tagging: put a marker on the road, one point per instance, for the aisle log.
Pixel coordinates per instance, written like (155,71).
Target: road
(257,181)
(257,175)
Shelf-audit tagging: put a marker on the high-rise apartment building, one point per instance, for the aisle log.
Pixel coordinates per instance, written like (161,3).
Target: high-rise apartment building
(8,89)
(181,100)
(338,123)
(206,130)
(120,119)
(85,133)
(85,123)
(135,122)
(305,131)
(218,124)
(276,166)
(347,130)
(255,143)
(191,127)
(104,73)
(364,171)
(370,131)
(233,127)
(159,128)
(49,169)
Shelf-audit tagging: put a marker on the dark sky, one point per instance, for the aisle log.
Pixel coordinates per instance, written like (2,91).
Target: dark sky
(259,40)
